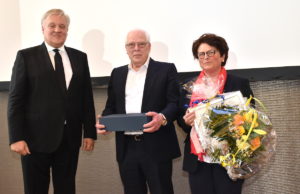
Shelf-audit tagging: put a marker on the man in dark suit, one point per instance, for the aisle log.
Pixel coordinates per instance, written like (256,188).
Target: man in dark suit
(151,87)
(50,106)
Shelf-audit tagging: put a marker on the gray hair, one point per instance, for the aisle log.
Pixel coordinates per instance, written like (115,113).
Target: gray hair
(59,12)
(141,30)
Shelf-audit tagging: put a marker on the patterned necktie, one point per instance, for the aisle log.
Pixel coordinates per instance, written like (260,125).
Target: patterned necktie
(59,69)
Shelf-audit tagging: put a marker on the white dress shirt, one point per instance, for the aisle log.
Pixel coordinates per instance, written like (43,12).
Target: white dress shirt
(66,62)
(134,91)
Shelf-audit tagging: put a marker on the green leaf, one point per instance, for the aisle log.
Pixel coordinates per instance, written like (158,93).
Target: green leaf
(260,131)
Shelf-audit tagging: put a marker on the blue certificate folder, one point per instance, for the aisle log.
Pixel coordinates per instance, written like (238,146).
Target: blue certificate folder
(125,122)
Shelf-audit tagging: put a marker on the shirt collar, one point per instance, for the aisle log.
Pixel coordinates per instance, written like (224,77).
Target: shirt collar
(51,48)
(144,66)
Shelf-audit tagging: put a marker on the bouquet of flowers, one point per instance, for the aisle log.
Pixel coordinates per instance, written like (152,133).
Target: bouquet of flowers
(234,134)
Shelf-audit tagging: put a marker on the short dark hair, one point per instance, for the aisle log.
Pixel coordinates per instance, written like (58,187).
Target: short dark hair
(213,40)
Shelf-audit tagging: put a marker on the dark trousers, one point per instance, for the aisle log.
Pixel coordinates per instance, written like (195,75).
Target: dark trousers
(213,179)
(138,170)
(36,170)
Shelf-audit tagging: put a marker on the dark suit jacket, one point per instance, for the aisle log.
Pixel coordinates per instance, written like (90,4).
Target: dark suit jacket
(38,107)
(233,83)
(161,94)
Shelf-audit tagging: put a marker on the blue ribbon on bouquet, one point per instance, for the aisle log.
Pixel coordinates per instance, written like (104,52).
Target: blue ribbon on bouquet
(196,102)
(224,111)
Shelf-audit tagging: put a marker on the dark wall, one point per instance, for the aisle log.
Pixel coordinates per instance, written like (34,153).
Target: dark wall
(258,74)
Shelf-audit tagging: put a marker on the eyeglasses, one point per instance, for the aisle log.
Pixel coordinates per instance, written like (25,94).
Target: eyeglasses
(132,45)
(201,55)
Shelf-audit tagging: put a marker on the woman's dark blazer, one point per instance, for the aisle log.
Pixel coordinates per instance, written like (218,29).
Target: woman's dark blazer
(233,83)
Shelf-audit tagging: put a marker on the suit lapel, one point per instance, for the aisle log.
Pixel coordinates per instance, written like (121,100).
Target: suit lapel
(46,59)
(73,62)
(122,78)
(228,85)
(148,82)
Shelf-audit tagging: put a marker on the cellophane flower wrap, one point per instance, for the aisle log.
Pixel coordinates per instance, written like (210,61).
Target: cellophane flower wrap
(234,134)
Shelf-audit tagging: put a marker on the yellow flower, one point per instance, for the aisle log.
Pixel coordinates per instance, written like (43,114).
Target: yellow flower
(260,131)
(242,145)
(248,116)
(241,130)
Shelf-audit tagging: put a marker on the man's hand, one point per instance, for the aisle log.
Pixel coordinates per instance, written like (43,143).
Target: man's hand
(155,124)
(100,127)
(20,147)
(88,144)
(189,118)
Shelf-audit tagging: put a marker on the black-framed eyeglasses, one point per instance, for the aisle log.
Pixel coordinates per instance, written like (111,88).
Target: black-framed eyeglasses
(201,55)
(132,45)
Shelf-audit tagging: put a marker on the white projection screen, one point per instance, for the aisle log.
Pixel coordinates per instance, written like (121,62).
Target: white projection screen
(260,33)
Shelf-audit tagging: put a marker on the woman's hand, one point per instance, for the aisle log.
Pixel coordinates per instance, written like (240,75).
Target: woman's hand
(189,118)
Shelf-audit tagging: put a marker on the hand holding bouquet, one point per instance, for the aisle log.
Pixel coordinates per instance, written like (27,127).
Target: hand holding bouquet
(234,134)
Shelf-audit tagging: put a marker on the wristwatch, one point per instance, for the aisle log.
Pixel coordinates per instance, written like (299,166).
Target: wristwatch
(165,122)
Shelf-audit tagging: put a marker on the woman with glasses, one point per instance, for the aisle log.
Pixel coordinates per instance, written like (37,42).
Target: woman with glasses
(212,52)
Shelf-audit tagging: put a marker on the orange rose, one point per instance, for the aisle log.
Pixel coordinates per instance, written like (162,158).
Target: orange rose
(255,143)
(238,120)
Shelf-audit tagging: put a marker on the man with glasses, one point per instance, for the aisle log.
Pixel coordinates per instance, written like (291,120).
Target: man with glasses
(151,87)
